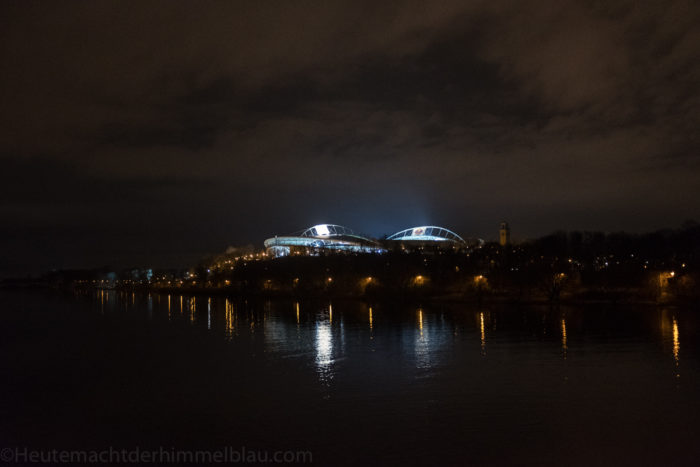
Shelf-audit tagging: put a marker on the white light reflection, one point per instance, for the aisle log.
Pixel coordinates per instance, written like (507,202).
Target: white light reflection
(324,350)
(209,313)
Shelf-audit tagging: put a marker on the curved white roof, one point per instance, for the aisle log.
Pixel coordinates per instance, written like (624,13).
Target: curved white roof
(326,236)
(326,230)
(427,233)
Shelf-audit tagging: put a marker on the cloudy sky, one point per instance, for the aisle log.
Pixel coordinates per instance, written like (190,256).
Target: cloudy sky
(156,132)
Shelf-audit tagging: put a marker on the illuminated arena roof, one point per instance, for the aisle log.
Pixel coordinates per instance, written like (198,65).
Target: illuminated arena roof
(427,233)
(323,237)
(329,230)
(336,238)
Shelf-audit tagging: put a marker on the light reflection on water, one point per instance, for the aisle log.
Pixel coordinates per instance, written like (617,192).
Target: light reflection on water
(422,348)
(438,337)
(671,336)
(209,313)
(563,337)
(676,342)
(230,318)
(429,340)
(324,351)
(482,330)
(545,380)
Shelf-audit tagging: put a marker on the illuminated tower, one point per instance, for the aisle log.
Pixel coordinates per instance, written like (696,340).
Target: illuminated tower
(504,234)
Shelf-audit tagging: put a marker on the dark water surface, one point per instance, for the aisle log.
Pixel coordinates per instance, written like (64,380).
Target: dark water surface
(353,384)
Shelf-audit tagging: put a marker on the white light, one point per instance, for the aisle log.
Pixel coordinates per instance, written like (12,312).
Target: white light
(322,230)
(324,351)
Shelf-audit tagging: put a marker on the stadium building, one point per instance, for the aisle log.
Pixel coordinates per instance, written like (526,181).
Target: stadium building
(321,239)
(331,238)
(426,237)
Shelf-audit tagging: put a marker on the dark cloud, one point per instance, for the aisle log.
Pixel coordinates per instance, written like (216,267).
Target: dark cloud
(160,130)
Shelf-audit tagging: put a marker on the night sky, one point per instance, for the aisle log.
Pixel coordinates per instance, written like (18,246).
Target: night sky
(152,133)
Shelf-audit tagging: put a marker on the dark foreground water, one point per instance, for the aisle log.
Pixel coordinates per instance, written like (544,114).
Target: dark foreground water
(352,384)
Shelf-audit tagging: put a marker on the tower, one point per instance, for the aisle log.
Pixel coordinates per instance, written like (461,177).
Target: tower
(504,238)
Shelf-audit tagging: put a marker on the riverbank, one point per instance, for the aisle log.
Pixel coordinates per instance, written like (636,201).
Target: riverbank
(587,297)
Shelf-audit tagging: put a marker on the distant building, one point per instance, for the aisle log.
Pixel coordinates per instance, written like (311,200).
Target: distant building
(321,239)
(504,238)
(331,238)
(425,238)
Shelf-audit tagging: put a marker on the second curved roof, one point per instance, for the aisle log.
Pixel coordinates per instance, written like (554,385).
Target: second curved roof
(427,233)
